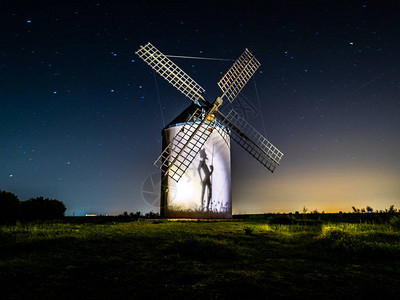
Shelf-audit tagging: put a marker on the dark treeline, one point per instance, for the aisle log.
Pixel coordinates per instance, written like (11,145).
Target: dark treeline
(106,219)
(357,216)
(12,210)
(34,209)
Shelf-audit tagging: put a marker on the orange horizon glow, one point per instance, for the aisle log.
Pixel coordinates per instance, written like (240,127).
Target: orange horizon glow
(322,191)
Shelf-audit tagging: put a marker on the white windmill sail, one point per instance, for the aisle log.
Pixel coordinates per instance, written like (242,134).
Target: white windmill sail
(171,72)
(238,75)
(251,140)
(181,151)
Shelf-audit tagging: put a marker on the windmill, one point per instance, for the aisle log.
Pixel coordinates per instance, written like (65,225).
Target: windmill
(195,161)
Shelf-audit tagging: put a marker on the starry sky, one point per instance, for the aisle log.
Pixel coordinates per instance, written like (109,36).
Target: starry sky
(81,116)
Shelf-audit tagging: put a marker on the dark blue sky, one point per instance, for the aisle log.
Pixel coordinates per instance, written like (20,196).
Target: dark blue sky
(80,117)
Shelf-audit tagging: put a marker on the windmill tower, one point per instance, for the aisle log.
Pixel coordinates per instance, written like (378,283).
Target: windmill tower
(195,162)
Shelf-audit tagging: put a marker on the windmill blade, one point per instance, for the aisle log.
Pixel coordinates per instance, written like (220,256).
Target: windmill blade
(251,140)
(238,75)
(171,72)
(179,154)
(224,132)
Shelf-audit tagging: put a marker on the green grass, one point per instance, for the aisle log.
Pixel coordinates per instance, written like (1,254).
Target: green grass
(150,258)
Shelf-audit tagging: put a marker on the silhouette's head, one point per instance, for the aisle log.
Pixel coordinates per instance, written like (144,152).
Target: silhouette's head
(203,154)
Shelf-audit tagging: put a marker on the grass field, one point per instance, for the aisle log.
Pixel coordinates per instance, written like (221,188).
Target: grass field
(207,260)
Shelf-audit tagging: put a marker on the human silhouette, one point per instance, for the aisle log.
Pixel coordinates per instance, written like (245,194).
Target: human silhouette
(205,179)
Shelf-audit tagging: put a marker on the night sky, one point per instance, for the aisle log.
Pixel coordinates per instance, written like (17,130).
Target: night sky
(81,118)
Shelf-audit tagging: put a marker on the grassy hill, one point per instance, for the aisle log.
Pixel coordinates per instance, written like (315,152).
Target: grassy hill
(194,259)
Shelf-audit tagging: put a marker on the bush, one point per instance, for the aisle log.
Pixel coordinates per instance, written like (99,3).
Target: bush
(395,222)
(339,240)
(42,209)
(289,220)
(281,220)
(152,215)
(9,207)
(309,222)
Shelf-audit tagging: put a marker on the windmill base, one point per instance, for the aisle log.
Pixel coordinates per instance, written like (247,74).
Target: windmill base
(204,190)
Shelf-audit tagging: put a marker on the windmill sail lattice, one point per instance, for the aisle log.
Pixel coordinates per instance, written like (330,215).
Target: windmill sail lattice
(171,72)
(238,75)
(179,154)
(182,150)
(251,140)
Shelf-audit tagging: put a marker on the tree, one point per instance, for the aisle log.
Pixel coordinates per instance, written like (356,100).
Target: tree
(391,209)
(135,215)
(151,215)
(9,207)
(42,209)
